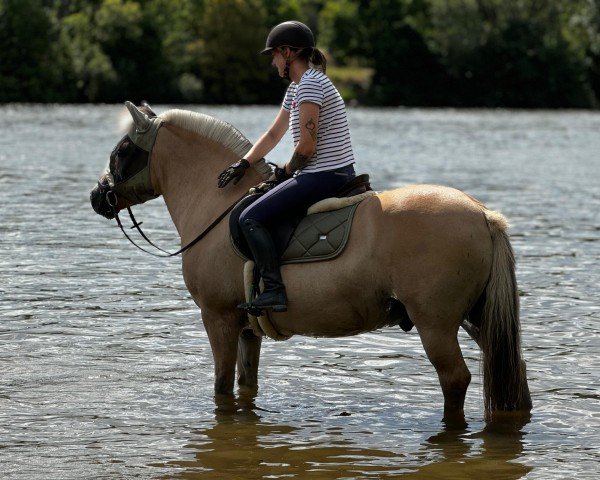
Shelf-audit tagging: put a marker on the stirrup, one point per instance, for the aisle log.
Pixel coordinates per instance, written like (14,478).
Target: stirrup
(274,299)
(258,311)
(251,309)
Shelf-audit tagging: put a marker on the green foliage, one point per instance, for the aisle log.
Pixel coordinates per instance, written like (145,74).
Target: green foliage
(339,24)
(517,68)
(407,72)
(90,66)
(129,39)
(27,52)
(278,11)
(234,33)
(511,53)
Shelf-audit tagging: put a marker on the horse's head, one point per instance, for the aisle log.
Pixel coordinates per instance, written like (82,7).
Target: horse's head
(126,180)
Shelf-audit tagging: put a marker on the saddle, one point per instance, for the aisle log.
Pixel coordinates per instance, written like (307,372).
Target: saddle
(318,236)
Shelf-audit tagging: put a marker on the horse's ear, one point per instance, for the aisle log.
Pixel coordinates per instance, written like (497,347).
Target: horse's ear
(147,109)
(140,119)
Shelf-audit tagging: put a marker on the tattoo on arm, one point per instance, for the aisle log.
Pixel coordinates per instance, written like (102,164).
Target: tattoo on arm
(297,162)
(311,127)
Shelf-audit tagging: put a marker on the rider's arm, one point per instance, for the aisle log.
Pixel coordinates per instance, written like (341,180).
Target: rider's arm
(307,145)
(270,138)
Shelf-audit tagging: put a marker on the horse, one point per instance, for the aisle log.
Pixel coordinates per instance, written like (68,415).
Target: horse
(429,255)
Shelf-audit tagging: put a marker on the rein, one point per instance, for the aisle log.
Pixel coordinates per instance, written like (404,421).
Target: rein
(137,224)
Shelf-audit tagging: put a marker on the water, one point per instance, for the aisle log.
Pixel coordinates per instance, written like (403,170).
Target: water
(106,371)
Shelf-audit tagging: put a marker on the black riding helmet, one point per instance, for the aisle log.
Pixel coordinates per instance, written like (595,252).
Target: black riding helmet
(289,34)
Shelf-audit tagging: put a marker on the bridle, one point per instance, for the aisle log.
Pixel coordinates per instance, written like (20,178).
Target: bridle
(137,186)
(111,198)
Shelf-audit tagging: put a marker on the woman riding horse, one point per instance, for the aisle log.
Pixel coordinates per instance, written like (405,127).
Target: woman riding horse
(322,160)
(431,255)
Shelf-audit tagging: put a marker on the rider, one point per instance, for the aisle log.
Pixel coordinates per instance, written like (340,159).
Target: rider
(322,161)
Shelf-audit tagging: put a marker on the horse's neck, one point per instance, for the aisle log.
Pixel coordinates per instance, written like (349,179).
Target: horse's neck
(185,167)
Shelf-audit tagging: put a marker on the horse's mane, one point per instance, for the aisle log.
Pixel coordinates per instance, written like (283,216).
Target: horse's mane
(211,128)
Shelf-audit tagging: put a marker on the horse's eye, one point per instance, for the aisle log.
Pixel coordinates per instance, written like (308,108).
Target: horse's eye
(123,148)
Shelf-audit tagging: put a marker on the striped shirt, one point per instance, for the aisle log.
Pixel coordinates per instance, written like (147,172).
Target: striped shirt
(334,148)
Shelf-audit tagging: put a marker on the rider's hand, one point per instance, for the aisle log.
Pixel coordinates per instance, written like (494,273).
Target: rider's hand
(281,175)
(234,172)
(264,187)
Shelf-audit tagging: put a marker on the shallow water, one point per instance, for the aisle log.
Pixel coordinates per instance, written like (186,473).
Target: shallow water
(106,371)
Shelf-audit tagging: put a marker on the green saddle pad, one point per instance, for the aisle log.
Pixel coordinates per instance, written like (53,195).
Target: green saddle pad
(320,236)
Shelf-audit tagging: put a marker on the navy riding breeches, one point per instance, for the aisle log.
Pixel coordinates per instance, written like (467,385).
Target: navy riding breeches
(295,195)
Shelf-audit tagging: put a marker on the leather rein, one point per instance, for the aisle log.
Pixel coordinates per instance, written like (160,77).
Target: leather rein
(137,224)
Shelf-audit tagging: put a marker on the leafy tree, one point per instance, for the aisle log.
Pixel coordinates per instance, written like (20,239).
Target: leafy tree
(133,44)
(511,52)
(340,29)
(64,8)
(278,11)
(27,52)
(91,68)
(587,31)
(179,27)
(532,53)
(516,68)
(407,72)
(234,32)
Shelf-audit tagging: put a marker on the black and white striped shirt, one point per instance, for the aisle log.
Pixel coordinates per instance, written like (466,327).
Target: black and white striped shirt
(334,148)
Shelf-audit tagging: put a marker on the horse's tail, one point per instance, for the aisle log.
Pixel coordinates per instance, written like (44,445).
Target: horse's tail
(504,377)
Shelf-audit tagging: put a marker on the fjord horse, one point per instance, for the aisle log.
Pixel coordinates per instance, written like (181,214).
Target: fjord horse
(425,254)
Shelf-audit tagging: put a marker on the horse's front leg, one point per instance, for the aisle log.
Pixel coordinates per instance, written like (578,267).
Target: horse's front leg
(248,358)
(223,331)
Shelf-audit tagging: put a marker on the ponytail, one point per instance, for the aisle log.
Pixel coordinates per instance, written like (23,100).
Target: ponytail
(315,57)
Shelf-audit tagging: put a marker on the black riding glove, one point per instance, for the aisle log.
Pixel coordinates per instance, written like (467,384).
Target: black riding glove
(234,172)
(281,175)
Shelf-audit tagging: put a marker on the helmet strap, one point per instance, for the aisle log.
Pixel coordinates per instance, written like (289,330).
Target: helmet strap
(288,62)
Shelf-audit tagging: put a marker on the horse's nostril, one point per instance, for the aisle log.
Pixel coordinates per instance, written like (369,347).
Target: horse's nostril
(99,202)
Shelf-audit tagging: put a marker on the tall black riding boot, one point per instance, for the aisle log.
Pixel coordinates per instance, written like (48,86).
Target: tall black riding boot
(265,255)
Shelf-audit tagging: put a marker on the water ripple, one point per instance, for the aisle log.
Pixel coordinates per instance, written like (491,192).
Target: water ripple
(107,370)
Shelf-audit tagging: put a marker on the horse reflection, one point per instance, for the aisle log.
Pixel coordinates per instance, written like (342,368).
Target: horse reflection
(242,444)
(462,456)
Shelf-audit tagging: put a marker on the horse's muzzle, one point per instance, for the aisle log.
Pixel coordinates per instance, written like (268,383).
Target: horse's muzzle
(99,200)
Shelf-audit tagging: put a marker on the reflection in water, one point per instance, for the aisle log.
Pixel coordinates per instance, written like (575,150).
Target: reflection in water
(241,444)
(495,458)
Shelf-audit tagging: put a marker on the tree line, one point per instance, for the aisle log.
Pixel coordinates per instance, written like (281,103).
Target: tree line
(461,53)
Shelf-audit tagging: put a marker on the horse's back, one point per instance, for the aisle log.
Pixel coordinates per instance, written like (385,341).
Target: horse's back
(429,199)
(433,242)
(422,215)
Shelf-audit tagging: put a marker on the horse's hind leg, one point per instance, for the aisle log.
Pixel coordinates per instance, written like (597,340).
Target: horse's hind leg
(442,349)
(248,358)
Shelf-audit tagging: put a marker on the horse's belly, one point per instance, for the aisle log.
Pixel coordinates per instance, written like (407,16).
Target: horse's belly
(334,320)
(337,303)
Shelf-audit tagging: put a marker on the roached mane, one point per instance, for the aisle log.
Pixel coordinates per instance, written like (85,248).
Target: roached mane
(211,128)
